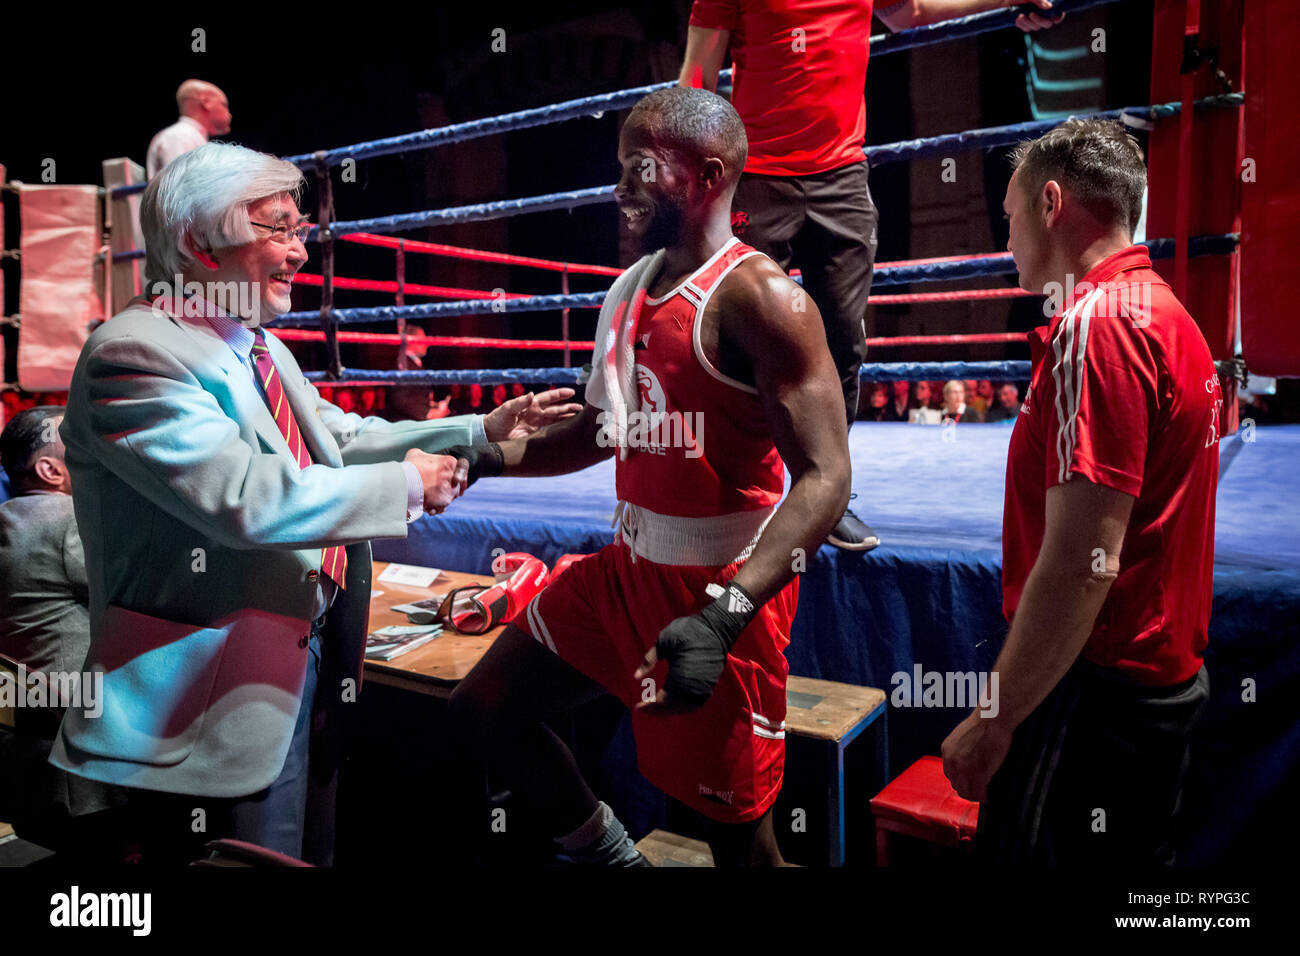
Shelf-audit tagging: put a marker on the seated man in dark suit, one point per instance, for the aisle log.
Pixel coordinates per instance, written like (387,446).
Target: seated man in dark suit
(45,628)
(1007,406)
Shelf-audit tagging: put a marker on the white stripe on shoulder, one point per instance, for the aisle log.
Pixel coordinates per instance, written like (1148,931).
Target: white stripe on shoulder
(699,314)
(1067,348)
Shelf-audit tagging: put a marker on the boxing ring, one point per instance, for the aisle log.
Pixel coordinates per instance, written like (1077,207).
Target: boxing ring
(930,594)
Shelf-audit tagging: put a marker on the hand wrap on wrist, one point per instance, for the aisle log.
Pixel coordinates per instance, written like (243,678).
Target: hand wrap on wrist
(485,461)
(696,647)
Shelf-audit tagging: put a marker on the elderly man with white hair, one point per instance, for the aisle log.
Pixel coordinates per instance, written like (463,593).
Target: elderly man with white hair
(205,112)
(226,511)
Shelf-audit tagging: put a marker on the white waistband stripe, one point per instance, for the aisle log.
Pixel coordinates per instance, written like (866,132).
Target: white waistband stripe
(710,541)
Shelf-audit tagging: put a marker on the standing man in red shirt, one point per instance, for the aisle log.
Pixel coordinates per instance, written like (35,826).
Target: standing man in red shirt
(1108,530)
(800,70)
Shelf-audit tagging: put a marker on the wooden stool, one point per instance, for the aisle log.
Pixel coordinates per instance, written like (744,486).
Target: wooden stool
(832,715)
(668,849)
(921,803)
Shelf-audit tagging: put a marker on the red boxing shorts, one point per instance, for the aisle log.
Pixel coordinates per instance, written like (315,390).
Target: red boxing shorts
(602,615)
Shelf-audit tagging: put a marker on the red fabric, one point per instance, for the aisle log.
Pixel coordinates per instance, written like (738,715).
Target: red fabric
(726,759)
(799,94)
(562,565)
(705,447)
(1126,396)
(921,795)
(334,561)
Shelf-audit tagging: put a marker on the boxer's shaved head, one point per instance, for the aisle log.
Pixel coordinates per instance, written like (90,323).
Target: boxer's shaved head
(694,123)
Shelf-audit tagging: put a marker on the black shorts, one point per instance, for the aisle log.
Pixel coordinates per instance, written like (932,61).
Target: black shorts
(1094,775)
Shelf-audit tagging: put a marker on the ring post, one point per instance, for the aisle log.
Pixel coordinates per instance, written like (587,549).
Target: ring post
(325,216)
(564,314)
(399,301)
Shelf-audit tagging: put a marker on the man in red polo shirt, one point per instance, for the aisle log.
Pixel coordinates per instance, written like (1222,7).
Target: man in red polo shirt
(800,69)
(1108,530)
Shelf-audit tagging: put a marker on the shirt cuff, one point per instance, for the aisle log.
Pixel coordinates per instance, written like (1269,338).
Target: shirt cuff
(414,492)
(478,436)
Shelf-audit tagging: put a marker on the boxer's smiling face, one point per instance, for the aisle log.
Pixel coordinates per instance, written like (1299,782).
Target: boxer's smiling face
(653,191)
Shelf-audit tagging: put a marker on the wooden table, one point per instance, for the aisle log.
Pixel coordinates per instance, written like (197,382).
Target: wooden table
(438,666)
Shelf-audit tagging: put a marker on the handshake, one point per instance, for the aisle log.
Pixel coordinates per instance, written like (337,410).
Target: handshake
(446,476)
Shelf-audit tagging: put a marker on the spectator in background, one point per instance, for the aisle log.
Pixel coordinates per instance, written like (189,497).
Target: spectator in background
(44,621)
(1007,406)
(983,398)
(955,408)
(45,626)
(205,112)
(877,403)
(899,402)
(923,414)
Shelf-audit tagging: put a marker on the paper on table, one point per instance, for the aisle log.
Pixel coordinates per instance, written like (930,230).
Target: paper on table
(410,575)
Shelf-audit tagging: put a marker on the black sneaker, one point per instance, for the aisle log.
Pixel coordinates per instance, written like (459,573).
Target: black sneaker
(852,533)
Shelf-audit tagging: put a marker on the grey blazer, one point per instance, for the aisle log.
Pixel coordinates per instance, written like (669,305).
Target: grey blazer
(203,544)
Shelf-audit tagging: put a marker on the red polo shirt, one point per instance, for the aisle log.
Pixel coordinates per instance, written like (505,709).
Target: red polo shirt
(800,71)
(1125,395)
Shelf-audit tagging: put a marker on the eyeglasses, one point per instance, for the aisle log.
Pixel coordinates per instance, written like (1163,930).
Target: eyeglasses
(286,234)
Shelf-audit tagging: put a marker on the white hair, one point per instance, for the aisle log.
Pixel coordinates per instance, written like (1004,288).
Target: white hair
(200,200)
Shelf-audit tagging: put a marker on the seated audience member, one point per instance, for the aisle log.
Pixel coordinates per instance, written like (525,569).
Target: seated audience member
(409,403)
(899,402)
(984,397)
(1007,406)
(955,408)
(44,621)
(877,402)
(45,627)
(924,415)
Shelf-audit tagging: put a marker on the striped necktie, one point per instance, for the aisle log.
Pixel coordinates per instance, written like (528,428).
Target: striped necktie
(334,561)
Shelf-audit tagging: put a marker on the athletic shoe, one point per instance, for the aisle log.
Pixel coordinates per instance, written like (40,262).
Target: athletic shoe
(852,533)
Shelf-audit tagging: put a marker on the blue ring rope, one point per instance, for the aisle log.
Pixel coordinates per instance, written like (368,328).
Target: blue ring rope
(876,155)
(594,105)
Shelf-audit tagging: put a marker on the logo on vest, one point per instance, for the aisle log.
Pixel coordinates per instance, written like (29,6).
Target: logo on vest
(652,428)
